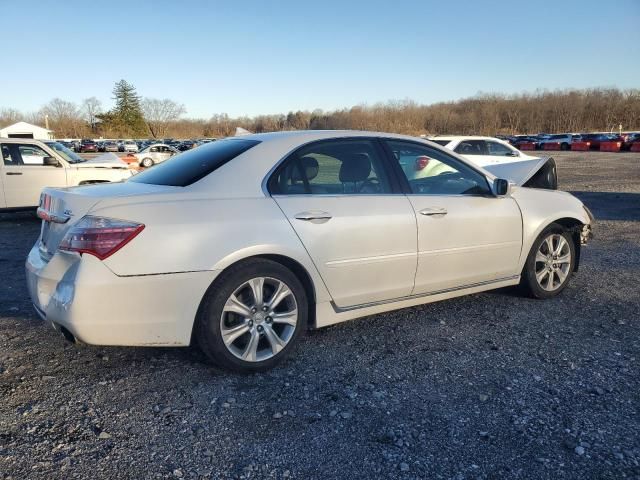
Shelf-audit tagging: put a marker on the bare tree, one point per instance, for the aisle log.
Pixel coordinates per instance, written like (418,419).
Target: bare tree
(91,108)
(9,116)
(64,118)
(160,113)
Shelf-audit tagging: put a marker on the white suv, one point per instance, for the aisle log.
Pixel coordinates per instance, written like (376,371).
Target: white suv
(30,165)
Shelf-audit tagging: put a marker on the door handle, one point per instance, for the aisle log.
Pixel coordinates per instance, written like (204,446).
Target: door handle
(14,173)
(314,216)
(431,211)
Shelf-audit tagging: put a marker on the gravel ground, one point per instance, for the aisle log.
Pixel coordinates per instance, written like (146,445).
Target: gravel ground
(483,387)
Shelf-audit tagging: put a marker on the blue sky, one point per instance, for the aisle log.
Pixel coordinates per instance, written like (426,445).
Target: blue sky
(254,57)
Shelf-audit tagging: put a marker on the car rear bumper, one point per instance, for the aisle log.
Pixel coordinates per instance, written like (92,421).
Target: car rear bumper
(82,296)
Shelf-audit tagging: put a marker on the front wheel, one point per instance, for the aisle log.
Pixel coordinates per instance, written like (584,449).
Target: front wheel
(252,316)
(147,162)
(550,263)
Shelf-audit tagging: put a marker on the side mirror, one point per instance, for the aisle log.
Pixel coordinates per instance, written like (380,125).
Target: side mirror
(513,153)
(50,162)
(501,187)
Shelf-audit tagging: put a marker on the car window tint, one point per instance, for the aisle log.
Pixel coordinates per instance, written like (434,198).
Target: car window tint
(440,142)
(433,172)
(335,167)
(193,165)
(471,147)
(498,149)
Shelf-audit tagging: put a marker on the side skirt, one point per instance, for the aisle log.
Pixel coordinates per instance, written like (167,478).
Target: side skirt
(327,313)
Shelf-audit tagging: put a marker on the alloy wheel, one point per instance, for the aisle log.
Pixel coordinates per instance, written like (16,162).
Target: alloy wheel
(259,319)
(553,262)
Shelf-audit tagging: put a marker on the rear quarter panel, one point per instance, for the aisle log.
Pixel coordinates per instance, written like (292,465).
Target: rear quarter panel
(198,234)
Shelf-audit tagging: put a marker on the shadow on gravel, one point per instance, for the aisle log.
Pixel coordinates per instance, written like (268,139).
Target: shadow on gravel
(23,216)
(612,205)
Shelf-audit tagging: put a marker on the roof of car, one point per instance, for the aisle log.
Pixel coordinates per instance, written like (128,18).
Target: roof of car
(311,135)
(23,140)
(451,138)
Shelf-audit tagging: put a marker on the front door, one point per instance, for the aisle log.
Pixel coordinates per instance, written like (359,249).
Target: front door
(359,231)
(466,235)
(25,175)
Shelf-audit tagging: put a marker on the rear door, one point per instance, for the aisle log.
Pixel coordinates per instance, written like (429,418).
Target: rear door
(358,228)
(25,175)
(466,236)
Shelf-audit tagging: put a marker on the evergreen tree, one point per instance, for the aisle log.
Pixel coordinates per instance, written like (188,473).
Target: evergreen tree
(127,113)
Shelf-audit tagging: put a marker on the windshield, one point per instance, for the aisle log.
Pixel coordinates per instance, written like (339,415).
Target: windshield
(443,143)
(69,155)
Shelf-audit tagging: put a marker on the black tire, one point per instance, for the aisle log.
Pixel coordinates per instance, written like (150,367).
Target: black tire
(147,162)
(528,282)
(208,324)
(564,146)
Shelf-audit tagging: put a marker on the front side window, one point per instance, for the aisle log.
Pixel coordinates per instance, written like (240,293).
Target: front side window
(431,172)
(334,167)
(471,147)
(23,155)
(498,149)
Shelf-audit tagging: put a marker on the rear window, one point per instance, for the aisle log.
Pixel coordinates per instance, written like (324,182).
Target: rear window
(440,142)
(193,165)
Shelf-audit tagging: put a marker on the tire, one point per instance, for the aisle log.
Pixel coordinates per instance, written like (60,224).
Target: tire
(564,146)
(558,268)
(147,162)
(221,317)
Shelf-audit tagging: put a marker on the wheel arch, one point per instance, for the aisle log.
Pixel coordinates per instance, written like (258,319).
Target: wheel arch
(296,268)
(573,225)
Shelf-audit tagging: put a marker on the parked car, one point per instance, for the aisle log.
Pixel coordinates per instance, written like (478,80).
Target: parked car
(110,147)
(156,153)
(595,139)
(504,160)
(88,146)
(243,243)
(564,139)
(629,139)
(518,140)
(130,146)
(29,165)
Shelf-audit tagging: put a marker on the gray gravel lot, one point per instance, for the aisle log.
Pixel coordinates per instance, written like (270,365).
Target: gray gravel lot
(483,387)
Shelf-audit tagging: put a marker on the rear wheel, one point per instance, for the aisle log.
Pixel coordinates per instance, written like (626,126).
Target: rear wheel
(252,316)
(550,263)
(147,162)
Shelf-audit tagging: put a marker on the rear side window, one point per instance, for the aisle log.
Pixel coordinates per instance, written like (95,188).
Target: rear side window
(193,165)
(471,147)
(332,167)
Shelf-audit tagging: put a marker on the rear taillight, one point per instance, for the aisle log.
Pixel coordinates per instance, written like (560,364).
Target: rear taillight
(100,236)
(422,162)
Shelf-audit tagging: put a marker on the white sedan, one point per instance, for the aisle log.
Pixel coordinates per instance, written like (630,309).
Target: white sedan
(502,159)
(243,243)
(156,153)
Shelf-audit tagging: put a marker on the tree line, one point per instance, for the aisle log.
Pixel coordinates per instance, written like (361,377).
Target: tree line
(586,110)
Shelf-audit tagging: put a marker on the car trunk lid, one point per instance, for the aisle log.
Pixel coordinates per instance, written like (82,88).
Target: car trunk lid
(61,208)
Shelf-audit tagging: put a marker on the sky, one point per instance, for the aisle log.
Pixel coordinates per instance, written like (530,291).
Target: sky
(261,57)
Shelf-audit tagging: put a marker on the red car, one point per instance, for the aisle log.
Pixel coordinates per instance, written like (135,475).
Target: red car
(86,147)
